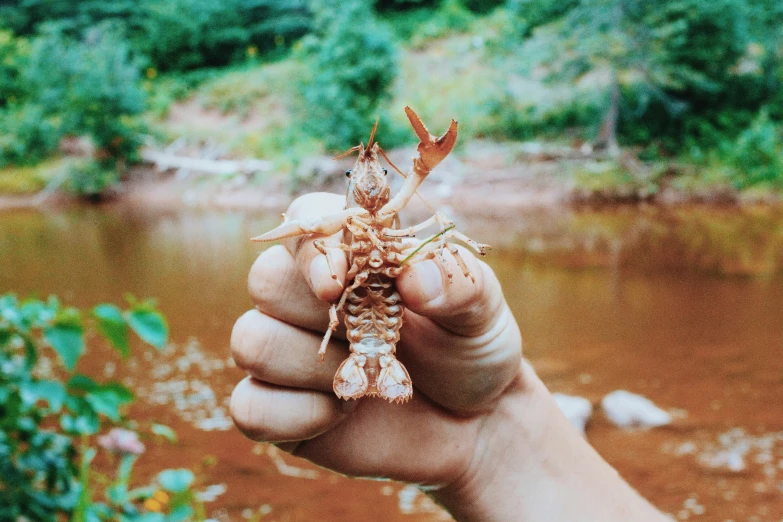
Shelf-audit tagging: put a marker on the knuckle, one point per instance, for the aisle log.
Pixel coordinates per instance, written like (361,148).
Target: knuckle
(264,282)
(247,415)
(251,341)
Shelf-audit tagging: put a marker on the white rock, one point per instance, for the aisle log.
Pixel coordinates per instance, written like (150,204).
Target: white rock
(628,410)
(576,409)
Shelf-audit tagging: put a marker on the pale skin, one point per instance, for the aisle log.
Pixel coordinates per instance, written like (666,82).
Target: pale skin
(482,432)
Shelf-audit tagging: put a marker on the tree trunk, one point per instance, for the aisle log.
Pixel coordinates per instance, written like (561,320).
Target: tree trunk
(607,135)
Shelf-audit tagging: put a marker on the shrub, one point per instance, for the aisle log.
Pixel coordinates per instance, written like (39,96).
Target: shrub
(757,154)
(177,34)
(92,85)
(353,68)
(49,424)
(539,12)
(91,178)
(452,17)
(28,135)
(13,58)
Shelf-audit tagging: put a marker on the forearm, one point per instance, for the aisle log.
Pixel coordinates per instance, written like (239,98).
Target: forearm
(532,466)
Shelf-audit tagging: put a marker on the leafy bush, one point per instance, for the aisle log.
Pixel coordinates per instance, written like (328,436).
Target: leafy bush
(402,5)
(757,154)
(92,85)
(28,136)
(13,58)
(91,178)
(177,34)
(353,68)
(539,12)
(450,18)
(49,423)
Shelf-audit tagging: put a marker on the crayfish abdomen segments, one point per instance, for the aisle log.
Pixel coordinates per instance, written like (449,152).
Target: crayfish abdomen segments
(374,371)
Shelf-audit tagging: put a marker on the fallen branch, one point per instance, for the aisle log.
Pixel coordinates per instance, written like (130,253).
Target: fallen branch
(166,161)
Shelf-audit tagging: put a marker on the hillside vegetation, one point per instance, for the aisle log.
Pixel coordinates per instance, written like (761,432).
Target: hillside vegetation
(681,93)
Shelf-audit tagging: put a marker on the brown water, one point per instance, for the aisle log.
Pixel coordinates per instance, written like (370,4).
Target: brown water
(684,306)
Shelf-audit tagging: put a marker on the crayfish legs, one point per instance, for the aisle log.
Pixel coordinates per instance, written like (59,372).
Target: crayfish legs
(377,251)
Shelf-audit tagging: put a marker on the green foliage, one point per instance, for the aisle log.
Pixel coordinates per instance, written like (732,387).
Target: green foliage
(28,136)
(451,18)
(534,13)
(29,180)
(683,66)
(756,157)
(48,423)
(91,84)
(13,57)
(177,34)
(612,181)
(90,178)
(403,5)
(353,68)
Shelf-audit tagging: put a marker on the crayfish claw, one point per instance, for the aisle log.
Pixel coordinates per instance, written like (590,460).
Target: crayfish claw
(432,150)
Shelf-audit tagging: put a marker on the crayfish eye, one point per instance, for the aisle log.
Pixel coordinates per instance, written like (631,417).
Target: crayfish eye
(347,173)
(385,172)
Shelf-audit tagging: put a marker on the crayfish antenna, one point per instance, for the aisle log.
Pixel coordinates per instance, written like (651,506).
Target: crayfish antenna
(372,134)
(359,147)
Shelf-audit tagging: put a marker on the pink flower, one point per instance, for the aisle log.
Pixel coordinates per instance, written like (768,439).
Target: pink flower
(122,441)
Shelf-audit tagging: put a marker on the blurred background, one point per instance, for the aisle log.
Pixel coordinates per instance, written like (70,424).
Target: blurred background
(622,157)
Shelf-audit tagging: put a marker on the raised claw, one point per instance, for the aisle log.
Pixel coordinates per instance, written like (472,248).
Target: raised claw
(326,225)
(432,150)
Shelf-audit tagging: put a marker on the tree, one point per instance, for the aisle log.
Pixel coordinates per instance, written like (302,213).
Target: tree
(670,53)
(354,63)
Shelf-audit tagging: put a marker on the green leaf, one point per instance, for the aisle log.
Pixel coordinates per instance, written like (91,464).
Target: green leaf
(165,432)
(181,514)
(112,325)
(149,325)
(175,480)
(141,493)
(107,399)
(68,341)
(82,383)
(86,423)
(52,392)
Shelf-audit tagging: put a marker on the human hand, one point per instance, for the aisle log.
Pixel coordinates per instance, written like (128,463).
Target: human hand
(478,417)
(459,342)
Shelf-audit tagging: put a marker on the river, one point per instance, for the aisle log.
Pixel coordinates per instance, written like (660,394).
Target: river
(682,305)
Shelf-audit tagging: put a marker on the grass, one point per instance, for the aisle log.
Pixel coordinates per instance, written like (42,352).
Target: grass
(29,180)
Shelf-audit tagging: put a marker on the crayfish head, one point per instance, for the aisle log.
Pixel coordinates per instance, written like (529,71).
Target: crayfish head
(368,186)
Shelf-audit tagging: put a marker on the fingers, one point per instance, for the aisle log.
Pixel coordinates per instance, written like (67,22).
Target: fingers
(459,334)
(311,263)
(458,304)
(278,353)
(278,290)
(269,413)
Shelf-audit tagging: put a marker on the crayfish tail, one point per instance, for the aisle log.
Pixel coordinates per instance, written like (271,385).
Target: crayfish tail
(350,381)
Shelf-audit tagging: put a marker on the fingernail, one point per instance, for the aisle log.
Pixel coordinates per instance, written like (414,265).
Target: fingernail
(430,280)
(319,274)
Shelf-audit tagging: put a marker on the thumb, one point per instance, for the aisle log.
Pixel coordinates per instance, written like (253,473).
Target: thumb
(461,343)
(466,306)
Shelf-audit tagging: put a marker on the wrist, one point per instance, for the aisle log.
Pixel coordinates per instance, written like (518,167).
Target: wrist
(530,465)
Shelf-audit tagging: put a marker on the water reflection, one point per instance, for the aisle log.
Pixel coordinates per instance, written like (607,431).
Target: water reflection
(644,299)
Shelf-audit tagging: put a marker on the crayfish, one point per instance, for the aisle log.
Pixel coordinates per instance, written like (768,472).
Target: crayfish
(378,251)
